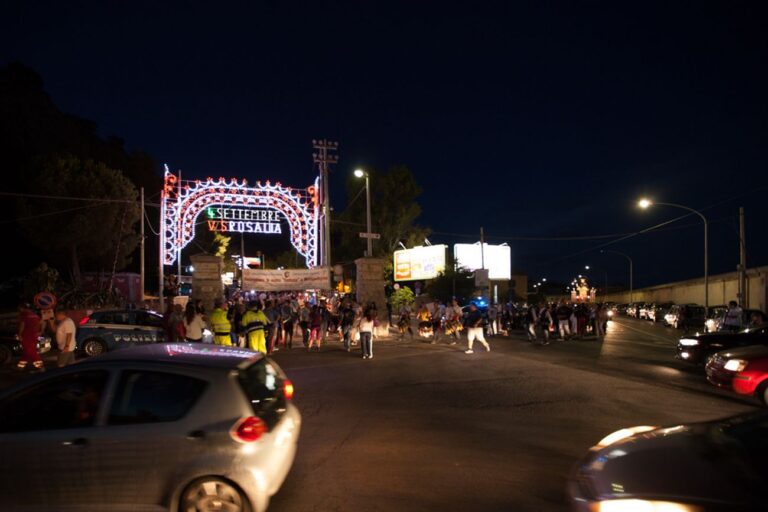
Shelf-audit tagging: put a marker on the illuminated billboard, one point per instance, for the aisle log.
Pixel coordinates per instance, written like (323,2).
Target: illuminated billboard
(419,263)
(498,259)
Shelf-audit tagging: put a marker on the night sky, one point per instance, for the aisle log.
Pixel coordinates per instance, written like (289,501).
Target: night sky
(541,119)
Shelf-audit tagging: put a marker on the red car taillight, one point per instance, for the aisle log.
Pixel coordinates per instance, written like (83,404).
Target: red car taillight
(288,389)
(84,320)
(248,429)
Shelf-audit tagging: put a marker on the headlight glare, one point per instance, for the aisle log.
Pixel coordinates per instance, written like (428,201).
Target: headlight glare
(623,434)
(689,342)
(641,506)
(735,365)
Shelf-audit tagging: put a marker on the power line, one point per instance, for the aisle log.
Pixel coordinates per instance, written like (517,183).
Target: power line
(48,214)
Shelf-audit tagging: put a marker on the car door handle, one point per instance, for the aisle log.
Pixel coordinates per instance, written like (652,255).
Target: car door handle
(196,435)
(78,442)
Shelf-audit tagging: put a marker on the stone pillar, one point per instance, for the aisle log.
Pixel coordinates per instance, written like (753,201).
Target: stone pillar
(370,288)
(206,279)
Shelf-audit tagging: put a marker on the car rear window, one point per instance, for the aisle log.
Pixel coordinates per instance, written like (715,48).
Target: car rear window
(262,383)
(153,397)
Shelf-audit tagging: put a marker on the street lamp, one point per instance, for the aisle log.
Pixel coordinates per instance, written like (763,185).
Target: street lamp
(586,267)
(630,269)
(644,203)
(359,173)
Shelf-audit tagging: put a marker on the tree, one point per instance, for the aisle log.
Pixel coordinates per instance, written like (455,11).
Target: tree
(452,283)
(101,234)
(402,297)
(394,212)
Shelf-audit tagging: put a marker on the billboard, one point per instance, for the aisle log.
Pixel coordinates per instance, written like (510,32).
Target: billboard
(419,263)
(498,259)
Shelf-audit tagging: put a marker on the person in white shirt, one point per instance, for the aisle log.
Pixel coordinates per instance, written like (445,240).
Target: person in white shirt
(65,338)
(367,324)
(193,324)
(733,317)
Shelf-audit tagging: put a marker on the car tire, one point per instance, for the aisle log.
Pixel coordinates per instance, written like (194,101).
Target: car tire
(6,355)
(208,494)
(94,347)
(762,393)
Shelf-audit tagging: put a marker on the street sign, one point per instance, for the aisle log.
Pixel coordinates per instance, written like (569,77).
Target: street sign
(374,236)
(45,300)
(481,278)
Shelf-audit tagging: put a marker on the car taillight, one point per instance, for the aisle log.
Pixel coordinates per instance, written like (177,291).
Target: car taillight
(248,430)
(84,320)
(288,389)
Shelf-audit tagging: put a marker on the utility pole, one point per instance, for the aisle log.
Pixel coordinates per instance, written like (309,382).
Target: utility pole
(242,261)
(141,257)
(743,296)
(323,158)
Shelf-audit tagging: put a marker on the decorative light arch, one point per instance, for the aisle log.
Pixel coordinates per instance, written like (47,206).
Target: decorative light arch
(183,201)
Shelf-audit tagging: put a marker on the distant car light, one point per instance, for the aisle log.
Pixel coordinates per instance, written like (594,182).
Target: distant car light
(735,365)
(689,342)
(623,434)
(629,505)
(610,313)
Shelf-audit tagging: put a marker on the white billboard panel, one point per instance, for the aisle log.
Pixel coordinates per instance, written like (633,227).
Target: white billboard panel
(498,259)
(420,263)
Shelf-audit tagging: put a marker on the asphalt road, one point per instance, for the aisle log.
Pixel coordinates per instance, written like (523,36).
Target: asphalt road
(427,427)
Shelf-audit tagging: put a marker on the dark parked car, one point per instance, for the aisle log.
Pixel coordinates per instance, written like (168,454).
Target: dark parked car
(176,427)
(657,311)
(715,320)
(10,347)
(685,316)
(703,467)
(697,348)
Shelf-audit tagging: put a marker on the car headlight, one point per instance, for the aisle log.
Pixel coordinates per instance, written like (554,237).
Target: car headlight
(735,365)
(689,342)
(623,434)
(610,314)
(628,505)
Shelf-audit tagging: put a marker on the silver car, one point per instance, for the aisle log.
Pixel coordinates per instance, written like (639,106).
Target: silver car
(180,427)
(701,467)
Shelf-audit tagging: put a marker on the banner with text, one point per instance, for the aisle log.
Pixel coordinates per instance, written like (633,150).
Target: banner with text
(287,280)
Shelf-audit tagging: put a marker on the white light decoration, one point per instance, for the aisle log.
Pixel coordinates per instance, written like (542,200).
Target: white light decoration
(183,201)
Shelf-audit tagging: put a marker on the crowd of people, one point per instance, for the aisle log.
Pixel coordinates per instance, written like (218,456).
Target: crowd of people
(566,320)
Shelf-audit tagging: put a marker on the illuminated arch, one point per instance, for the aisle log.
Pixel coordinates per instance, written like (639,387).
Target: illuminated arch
(182,203)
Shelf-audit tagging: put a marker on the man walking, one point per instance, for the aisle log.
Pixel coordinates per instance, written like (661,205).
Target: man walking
(65,338)
(474,325)
(563,314)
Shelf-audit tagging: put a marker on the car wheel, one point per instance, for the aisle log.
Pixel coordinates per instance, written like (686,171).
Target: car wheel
(94,347)
(6,354)
(212,494)
(762,393)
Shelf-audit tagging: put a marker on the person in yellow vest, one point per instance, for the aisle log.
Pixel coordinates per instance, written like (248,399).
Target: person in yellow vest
(222,328)
(254,321)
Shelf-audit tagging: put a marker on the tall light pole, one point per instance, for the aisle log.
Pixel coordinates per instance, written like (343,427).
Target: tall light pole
(359,173)
(646,203)
(630,269)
